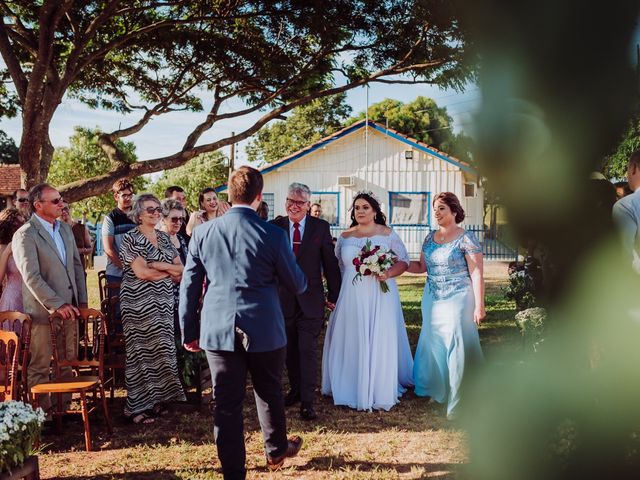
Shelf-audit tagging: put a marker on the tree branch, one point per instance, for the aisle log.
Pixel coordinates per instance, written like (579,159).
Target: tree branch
(13,64)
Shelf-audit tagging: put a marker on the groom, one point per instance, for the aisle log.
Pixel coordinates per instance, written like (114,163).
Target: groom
(241,326)
(311,242)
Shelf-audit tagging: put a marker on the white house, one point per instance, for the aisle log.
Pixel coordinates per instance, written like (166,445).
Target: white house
(403,173)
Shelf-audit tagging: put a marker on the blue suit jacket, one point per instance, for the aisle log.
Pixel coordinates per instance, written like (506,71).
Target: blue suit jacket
(245,259)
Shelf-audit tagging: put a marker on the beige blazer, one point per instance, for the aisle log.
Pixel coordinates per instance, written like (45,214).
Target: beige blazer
(48,282)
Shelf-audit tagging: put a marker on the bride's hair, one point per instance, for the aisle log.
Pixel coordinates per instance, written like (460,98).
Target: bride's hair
(380,217)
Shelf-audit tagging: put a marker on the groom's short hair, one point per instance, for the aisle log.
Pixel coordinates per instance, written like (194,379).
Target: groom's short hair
(245,184)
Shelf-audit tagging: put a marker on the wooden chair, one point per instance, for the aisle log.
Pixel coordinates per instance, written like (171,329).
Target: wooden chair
(9,354)
(115,351)
(102,285)
(84,355)
(20,324)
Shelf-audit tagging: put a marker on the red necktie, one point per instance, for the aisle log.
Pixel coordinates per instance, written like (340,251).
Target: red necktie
(296,238)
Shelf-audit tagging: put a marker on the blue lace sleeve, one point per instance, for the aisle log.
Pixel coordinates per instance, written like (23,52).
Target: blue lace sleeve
(469,244)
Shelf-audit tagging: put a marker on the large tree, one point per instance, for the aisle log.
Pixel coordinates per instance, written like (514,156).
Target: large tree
(306,125)
(423,120)
(155,57)
(84,158)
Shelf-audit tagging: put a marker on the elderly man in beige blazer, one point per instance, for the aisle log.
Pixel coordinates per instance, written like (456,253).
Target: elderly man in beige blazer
(53,278)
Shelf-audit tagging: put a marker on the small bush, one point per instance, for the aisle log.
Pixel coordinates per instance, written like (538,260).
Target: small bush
(20,428)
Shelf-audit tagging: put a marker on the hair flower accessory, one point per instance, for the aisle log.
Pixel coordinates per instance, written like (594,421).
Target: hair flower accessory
(368,193)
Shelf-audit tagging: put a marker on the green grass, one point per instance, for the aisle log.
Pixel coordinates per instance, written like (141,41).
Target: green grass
(412,441)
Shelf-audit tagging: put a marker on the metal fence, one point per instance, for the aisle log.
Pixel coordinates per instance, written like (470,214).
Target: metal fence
(493,248)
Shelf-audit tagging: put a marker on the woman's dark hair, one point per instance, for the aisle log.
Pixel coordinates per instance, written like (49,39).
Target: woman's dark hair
(11,219)
(203,193)
(380,217)
(451,201)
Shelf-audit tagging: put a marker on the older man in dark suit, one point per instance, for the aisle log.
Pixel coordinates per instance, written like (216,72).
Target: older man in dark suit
(53,276)
(311,242)
(241,326)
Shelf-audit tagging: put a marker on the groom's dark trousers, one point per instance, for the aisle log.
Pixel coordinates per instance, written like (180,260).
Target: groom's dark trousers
(244,260)
(229,373)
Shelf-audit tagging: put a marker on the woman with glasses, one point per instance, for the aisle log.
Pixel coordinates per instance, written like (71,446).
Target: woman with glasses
(11,220)
(210,207)
(151,266)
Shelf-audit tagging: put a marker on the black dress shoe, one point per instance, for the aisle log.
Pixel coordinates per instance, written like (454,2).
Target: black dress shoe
(294,444)
(291,398)
(307,412)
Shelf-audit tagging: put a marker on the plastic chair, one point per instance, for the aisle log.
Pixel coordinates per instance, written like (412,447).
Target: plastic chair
(85,357)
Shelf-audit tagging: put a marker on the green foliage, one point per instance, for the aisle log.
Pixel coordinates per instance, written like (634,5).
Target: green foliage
(521,290)
(531,324)
(20,428)
(423,120)
(306,125)
(615,164)
(8,149)
(84,159)
(206,170)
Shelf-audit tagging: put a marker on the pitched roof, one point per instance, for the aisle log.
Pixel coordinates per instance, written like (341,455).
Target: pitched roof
(9,179)
(352,128)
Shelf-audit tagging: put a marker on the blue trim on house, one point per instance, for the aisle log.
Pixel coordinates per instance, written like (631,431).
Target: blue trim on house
(349,130)
(422,148)
(337,205)
(304,152)
(428,194)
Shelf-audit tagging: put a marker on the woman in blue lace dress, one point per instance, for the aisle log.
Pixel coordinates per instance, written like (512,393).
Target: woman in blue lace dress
(452,305)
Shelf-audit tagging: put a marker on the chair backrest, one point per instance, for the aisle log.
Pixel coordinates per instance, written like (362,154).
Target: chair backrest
(102,285)
(20,324)
(109,307)
(9,354)
(86,337)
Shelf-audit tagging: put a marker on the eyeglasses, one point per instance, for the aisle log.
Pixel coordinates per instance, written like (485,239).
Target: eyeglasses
(22,200)
(152,210)
(297,203)
(65,209)
(126,195)
(176,219)
(55,201)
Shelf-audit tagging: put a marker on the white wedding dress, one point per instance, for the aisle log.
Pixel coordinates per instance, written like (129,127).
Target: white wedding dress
(366,361)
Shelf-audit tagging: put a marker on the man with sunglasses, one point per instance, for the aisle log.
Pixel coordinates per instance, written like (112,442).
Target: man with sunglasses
(20,200)
(311,242)
(53,277)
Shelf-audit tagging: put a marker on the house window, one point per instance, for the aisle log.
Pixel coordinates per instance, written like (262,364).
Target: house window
(469,189)
(269,198)
(409,208)
(330,205)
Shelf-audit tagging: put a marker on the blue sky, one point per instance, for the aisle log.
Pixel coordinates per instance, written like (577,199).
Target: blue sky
(166,134)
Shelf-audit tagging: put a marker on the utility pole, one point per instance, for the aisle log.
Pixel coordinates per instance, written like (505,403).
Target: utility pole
(232,156)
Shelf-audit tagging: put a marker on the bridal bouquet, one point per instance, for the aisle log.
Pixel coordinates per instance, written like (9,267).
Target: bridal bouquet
(373,260)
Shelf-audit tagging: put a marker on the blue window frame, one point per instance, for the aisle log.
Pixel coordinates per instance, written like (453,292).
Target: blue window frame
(330,202)
(269,198)
(410,208)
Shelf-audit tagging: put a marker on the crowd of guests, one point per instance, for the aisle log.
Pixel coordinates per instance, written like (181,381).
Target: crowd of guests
(276,269)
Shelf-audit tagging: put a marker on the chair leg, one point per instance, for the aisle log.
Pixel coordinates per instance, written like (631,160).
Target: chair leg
(58,414)
(85,419)
(106,409)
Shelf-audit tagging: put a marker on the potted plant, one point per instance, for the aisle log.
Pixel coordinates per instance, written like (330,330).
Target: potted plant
(20,427)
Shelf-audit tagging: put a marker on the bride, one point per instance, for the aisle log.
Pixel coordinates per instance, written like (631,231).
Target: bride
(366,361)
